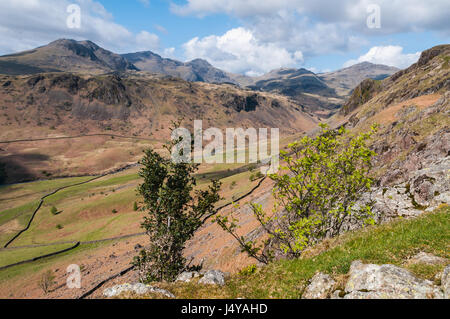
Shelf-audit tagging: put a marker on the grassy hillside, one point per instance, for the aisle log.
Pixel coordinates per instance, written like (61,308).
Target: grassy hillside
(391,243)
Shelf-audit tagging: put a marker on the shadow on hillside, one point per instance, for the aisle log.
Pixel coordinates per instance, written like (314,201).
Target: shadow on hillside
(17,166)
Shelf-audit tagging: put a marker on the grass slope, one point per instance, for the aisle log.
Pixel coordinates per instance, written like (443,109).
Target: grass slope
(391,243)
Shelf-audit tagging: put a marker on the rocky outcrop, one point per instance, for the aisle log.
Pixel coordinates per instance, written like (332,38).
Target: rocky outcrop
(187,276)
(365,91)
(138,289)
(418,180)
(210,277)
(213,277)
(369,281)
(320,287)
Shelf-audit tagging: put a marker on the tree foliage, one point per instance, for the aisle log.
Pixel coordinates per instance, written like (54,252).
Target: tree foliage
(316,194)
(174,211)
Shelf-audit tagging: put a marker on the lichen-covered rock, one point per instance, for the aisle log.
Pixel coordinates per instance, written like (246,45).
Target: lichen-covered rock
(320,287)
(368,281)
(429,259)
(138,288)
(117,290)
(445,282)
(187,276)
(213,277)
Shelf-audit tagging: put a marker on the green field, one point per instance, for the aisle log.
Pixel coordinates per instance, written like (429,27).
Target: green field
(8,257)
(99,209)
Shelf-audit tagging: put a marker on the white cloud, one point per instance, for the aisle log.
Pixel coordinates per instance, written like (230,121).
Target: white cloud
(146,41)
(169,53)
(397,16)
(25,24)
(323,26)
(389,55)
(239,51)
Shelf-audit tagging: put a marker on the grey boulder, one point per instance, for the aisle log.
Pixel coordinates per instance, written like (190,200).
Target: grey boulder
(213,277)
(187,276)
(368,281)
(138,288)
(320,287)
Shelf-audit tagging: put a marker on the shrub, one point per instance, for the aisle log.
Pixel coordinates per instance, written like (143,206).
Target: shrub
(174,212)
(114,211)
(46,281)
(54,210)
(256,176)
(135,207)
(249,270)
(59,226)
(317,190)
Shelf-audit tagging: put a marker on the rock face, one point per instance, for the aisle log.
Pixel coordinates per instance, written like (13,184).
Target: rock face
(368,281)
(213,277)
(320,287)
(361,94)
(139,289)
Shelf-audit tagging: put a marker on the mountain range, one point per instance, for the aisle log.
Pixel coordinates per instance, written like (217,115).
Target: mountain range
(86,57)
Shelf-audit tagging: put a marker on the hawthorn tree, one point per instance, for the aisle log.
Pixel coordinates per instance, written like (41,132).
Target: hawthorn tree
(174,211)
(316,194)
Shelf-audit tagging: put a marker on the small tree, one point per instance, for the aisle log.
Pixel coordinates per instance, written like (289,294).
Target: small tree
(54,210)
(135,207)
(174,212)
(317,192)
(47,281)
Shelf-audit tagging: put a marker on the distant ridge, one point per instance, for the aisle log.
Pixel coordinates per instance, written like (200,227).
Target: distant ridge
(65,55)
(322,94)
(197,70)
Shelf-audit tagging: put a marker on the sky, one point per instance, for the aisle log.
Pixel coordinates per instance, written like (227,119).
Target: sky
(250,37)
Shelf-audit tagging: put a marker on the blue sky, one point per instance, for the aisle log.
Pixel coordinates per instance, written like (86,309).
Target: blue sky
(249,37)
(137,16)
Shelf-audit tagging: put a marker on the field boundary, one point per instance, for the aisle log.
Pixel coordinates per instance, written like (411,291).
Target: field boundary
(94,289)
(41,202)
(77,136)
(73,242)
(41,257)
